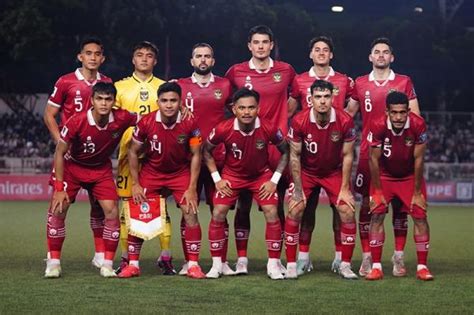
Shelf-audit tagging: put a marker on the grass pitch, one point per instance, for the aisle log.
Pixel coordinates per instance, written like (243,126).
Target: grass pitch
(82,290)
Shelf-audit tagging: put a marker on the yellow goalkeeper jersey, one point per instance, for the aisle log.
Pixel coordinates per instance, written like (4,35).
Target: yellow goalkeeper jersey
(139,97)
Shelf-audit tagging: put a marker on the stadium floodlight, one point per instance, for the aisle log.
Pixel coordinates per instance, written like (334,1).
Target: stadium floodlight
(337,8)
(418,10)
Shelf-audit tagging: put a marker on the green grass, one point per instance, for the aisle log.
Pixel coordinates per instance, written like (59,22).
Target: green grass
(82,290)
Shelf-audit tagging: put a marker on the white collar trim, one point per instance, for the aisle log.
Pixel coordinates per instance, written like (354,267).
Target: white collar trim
(312,74)
(253,67)
(194,80)
(236,127)
(158,119)
(80,77)
(312,118)
(390,127)
(91,121)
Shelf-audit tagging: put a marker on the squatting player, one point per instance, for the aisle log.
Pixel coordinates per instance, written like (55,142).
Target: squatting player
(321,155)
(321,53)
(246,138)
(397,151)
(369,97)
(137,94)
(172,148)
(82,159)
(72,94)
(206,95)
(271,79)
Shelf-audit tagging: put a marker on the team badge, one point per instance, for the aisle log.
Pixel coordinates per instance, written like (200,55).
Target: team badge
(392,90)
(144,95)
(181,139)
(409,141)
(335,136)
(144,207)
(335,91)
(260,144)
(277,77)
(217,94)
(115,135)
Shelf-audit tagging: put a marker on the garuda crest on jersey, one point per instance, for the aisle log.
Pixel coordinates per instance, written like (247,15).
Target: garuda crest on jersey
(277,77)
(144,95)
(217,94)
(335,136)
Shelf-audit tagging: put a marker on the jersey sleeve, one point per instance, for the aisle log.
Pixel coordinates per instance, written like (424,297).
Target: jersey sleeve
(410,90)
(349,130)
(69,129)
(230,75)
(276,136)
(139,133)
(354,94)
(349,87)
(216,136)
(294,132)
(58,96)
(195,138)
(118,98)
(375,135)
(295,89)
(421,133)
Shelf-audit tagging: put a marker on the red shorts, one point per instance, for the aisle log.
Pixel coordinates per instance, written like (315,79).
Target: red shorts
(362,179)
(403,190)
(98,181)
(331,184)
(155,183)
(253,185)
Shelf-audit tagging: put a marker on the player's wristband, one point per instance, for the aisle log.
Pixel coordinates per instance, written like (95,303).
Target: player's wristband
(276,177)
(58,185)
(216,177)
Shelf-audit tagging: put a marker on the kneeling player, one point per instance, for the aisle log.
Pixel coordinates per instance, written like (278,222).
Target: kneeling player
(82,159)
(321,155)
(169,144)
(397,150)
(246,139)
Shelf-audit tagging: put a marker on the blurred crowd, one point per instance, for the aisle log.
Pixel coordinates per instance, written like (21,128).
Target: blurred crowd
(25,135)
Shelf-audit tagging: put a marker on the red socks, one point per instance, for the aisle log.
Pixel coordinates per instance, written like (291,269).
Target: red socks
(291,238)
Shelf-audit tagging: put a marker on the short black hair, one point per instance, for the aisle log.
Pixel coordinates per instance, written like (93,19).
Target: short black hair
(245,92)
(396,97)
(91,40)
(146,45)
(199,45)
(169,87)
(260,29)
(381,40)
(104,88)
(325,39)
(321,85)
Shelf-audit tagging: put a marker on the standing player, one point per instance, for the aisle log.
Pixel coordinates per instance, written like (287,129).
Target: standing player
(370,92)
(137,94)
(72,94)
(172,148)
(397,151)
(246,139)
(206,95)
(82,159)
(321,155)
(321,53)
(271,79)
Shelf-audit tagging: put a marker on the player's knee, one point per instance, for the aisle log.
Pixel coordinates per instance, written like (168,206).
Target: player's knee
(110,208)
(346,214)
(377,219)
(270,212)
(421,225)
(191,219)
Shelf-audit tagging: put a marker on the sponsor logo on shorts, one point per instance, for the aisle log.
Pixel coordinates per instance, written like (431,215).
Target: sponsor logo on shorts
(217,94)
(335,136)
(260,144)
(277,77)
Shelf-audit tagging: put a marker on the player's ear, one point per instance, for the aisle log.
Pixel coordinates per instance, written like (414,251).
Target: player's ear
(392,58)
(331,55)
(272,43)
(249,46)
(79,57)
(370,58)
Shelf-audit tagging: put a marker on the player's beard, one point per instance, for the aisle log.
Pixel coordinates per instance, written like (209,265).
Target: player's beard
(203,71)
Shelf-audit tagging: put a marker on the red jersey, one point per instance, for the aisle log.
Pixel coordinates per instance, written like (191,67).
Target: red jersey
(167,148)
(72,93)
(301,87)
(371,95)
(397,160)
(321,153)
(272,85)
(206,102)
(246,153)
(91,145)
